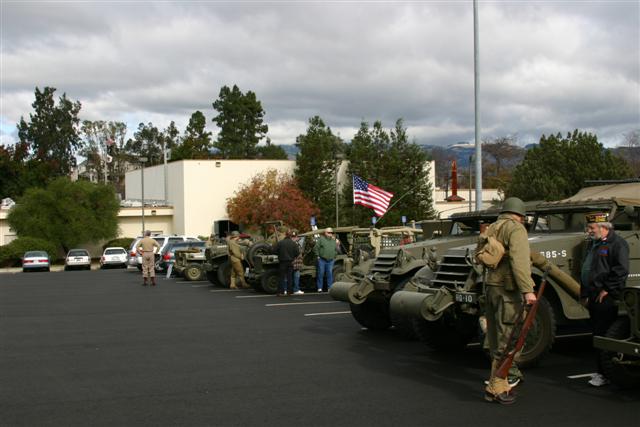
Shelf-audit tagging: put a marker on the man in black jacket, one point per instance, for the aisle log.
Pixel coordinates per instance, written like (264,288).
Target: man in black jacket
(287,250)
(604,272)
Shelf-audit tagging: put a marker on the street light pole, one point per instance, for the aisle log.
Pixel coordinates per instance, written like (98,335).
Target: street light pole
(476,74)
(142,161)
(339,163)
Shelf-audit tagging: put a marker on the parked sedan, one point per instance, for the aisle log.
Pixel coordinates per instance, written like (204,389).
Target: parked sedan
(36,260)
(77,258)
(114,257)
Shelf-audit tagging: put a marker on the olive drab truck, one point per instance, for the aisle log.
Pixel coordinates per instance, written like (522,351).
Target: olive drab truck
(369,294)
(447,308)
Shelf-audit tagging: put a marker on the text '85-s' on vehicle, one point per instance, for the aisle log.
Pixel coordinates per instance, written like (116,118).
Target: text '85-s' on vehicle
(446,308)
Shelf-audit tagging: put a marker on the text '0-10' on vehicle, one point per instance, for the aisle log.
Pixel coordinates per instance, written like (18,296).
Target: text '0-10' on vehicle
(36,260)
(77,259)
(116,257)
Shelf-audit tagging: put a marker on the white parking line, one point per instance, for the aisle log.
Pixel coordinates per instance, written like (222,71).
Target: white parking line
(301,303)
(329,313)
(256,296)
(224,290)
(199,286)
(573,377)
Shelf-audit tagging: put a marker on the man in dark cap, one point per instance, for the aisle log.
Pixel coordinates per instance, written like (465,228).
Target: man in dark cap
(604,272)
(507,285)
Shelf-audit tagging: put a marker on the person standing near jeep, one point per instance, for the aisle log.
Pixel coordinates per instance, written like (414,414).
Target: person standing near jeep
(603,275)
(287,250)
(235,258)
(147,246)
(326,250)
(506,286)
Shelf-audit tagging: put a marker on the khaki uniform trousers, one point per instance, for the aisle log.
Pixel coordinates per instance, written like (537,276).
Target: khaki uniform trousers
(148,264)
(237,273)
(501,310)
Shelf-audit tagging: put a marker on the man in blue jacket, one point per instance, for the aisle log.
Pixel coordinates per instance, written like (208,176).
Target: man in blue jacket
(604,272)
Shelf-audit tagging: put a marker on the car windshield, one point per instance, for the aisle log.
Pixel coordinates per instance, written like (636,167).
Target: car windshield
(78,252)
(160,240)
(114,252)
(33,254)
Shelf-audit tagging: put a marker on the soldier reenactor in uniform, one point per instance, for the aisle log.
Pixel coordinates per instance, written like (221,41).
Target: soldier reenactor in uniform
(506,286)
(147,247)
(604,272)
(235,257)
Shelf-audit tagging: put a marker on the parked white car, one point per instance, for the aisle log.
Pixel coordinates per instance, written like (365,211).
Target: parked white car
(78,258)
(114,257)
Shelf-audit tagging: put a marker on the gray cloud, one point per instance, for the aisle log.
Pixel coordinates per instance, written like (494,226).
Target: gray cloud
(546,67)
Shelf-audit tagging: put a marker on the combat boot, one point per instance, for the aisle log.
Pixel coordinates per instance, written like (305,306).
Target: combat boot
(504,398)
(244,284)
(232,284)
(153,281)
(144,281)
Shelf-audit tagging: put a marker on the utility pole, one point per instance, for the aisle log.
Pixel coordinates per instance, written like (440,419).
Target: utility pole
(476,74)
(142,161)
(166,177)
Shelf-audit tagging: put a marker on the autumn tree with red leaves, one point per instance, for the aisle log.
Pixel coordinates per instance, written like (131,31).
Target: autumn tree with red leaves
(271,196)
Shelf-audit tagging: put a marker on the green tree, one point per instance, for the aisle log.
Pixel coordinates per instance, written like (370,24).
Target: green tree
(13,172)
(505,155)
(52,135)
(67,213)
(271,151)
(558,167)
(240,119)
(146,142)
(196,141)
(104,152)
(389,161)
(316,165)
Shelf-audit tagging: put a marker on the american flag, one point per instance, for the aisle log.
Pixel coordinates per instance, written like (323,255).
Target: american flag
(370,196)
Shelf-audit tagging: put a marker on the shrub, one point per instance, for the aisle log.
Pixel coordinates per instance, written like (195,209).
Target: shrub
(122,242)
(11,254)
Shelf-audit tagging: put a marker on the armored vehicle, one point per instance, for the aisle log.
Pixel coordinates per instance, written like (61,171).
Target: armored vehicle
(369,294)
(447,306)
(620,348)
(358,249)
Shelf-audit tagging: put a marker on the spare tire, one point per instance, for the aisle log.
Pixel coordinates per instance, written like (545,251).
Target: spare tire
(224,274)
(259,248)
(269,281)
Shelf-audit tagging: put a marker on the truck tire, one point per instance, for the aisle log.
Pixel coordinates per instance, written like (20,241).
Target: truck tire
(193,272)
(269,281)
(212,276)
(260,248)
(338,269)
(623,376)
(453,331)
(224,274)
(403,325)
(372,314)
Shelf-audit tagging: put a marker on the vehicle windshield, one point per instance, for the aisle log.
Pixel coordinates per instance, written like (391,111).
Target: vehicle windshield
(78,252)
(35,254)
(115,252)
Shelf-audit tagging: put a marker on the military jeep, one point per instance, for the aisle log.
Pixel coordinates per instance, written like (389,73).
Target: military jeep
(446,307)
(358,249)
(620,347)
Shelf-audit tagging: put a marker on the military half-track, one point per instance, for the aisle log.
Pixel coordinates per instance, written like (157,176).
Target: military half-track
(369,294)
(358,249)
(447,307)
(620,347)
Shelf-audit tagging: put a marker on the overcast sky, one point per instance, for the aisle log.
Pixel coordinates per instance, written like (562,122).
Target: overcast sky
(546,66)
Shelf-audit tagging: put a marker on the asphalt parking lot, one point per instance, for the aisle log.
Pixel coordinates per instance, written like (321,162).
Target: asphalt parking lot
(95,348)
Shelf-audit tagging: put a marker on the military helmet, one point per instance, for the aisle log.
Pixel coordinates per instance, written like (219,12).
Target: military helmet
(514,205)
(235,233)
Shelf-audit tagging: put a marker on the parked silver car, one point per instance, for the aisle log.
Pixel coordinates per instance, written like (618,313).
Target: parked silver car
(36,260)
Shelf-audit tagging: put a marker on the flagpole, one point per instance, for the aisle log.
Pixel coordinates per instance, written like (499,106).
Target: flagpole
(396,202)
